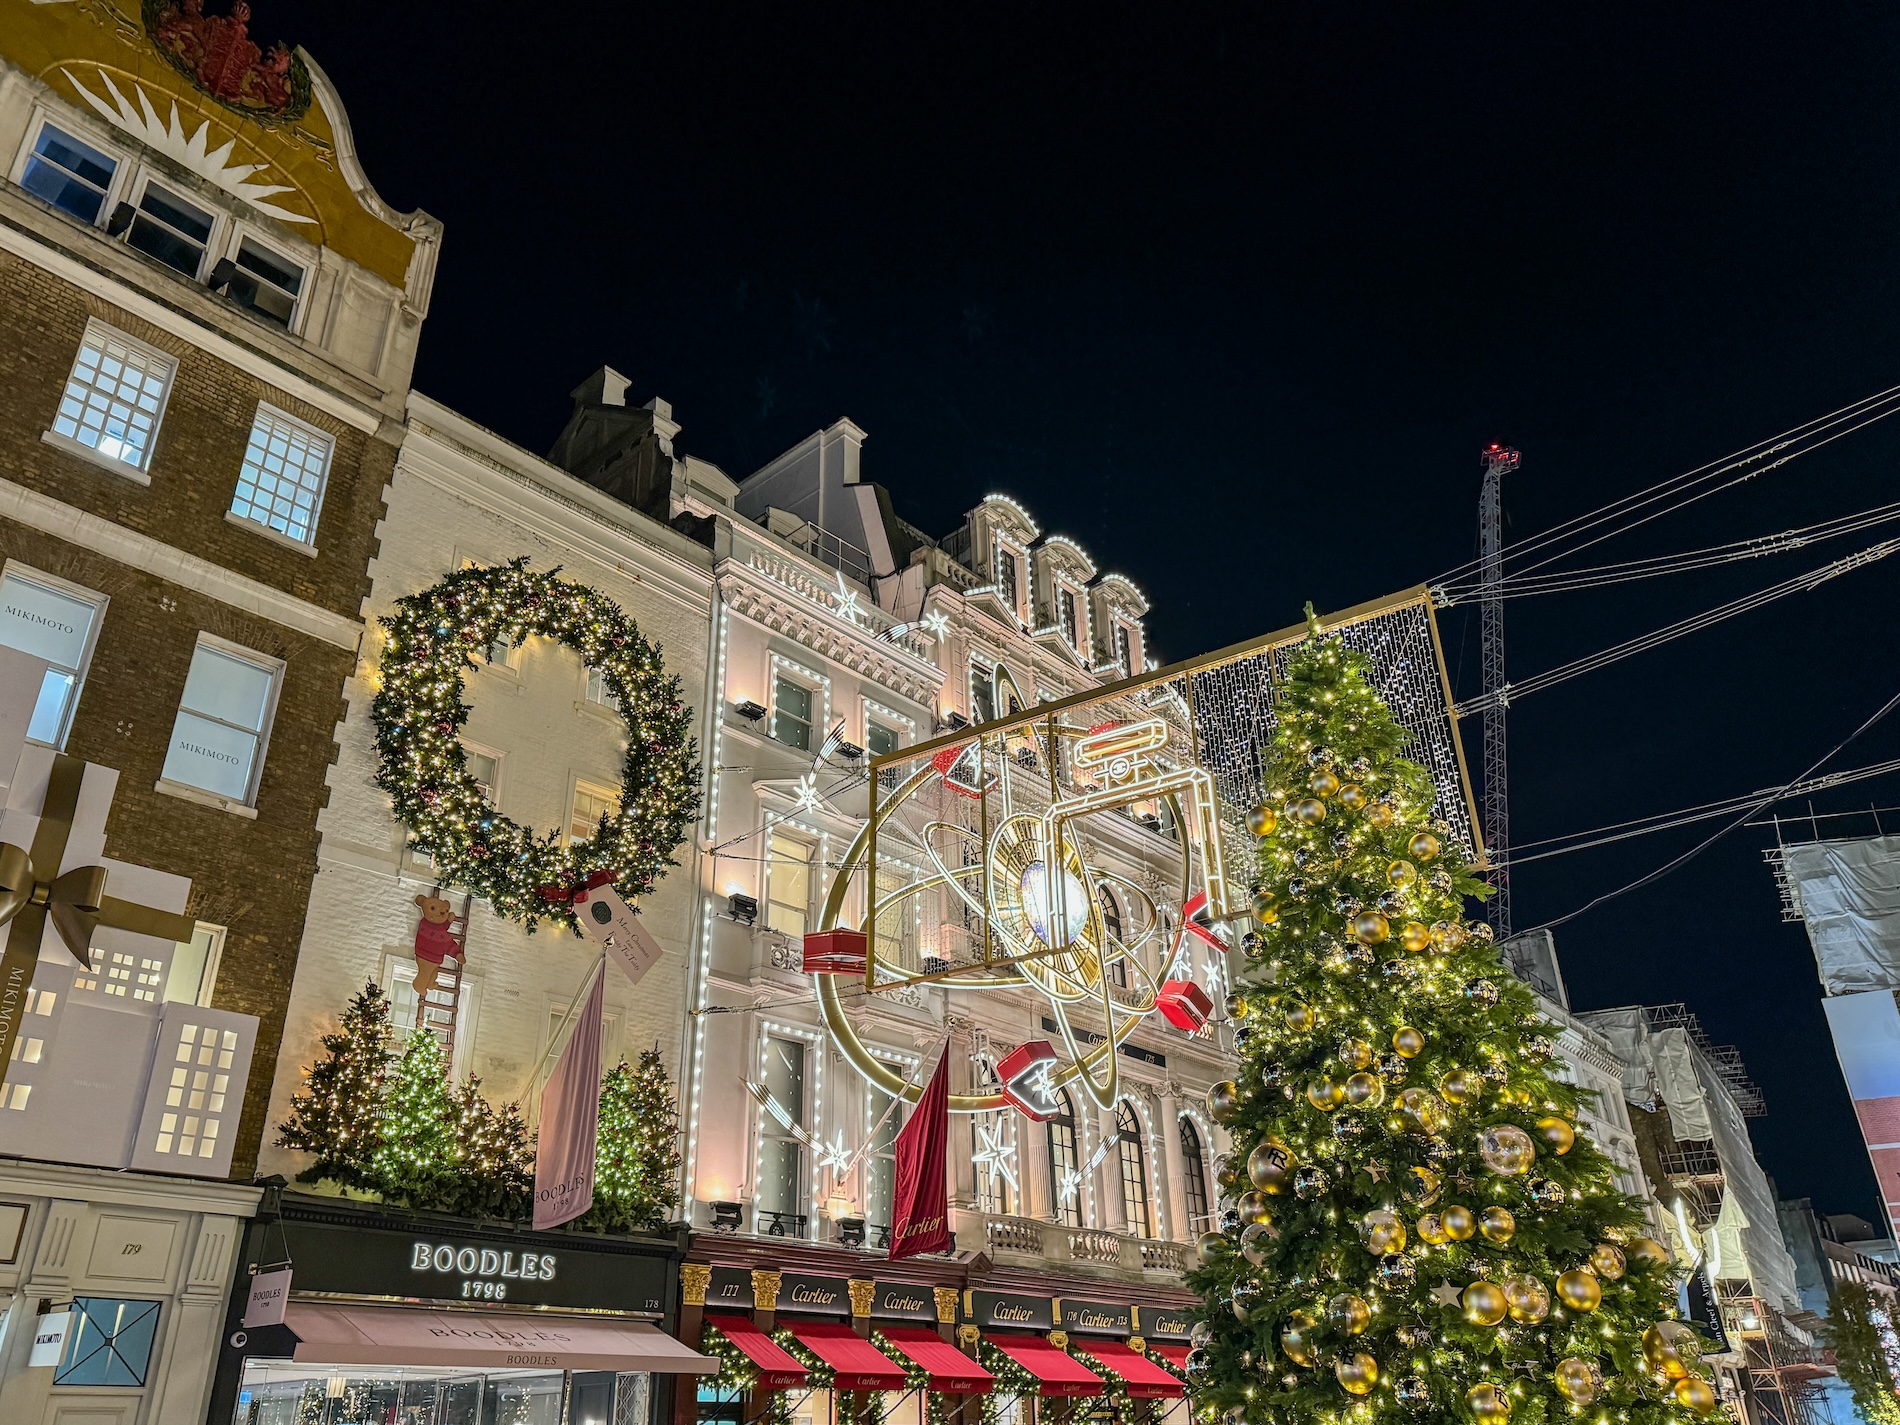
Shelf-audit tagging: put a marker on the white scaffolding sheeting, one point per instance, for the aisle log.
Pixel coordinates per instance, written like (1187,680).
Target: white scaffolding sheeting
(1848,893)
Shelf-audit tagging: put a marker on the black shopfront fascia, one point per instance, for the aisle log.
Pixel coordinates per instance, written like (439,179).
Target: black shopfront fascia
(342,1250)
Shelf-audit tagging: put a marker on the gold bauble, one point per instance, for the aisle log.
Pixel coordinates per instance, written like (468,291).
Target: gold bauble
(1423,846)
(1401,873)
(1660,1352)
(1646,1249)
(1255,1243)
(1526,1298)
(1223,1100)
(1237,1006)
(1209,1246)
(1461,1223)
(1431,1228)
(1348,1313)
(1323,782)
(1365,1090)
(1298,1345)
(1408,1043)
(1380,814)
(1423,1110)
(1300,1016)
(1421,1185)
(1497,1225)
(1352,796)
(1415,937)
(1507,1150)
(1264,909)
(1310,811)
(1382,1231)
(1325,1094)
(1358,1373)
(1270,1166)
(1262,820)
(1253,1207)
(1578,1381)
(1580,1290)
(1488,1405)
(1558,1134)
(1461,1087)
(1606,1260)
(1694,1393)
(1484,1303)
(1371,927)
(1356,1053)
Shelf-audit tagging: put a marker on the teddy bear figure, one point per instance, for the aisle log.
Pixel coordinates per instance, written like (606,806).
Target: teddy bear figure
(435,942)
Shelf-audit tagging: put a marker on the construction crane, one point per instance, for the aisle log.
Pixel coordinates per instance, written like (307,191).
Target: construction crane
(1497,811)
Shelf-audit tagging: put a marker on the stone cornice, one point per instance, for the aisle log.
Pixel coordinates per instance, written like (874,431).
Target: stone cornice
(23,1177)
(765,601)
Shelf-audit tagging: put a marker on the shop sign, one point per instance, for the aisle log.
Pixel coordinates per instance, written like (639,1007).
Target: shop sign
(729,1290)
(431,1266)
(49,1338)
(269,1292)
(1165,1324)
(1009,1311)
(816,1296)
(1096,1317)
(901,1301)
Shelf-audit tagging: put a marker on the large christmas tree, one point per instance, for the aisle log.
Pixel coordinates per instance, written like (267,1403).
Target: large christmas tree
(336,1115)
(1416,1231)
(637,1167)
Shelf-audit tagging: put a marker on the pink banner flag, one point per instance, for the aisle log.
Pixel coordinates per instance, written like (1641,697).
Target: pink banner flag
(920,1220)
(570,1121)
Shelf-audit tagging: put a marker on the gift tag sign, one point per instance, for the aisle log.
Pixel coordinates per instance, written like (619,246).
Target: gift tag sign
(611,921)
(269,1292)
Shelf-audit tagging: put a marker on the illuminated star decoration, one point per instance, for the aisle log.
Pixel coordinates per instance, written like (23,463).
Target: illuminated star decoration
(838,1157)
(937,623)
(848,605)
(1073,1178)
(806,792)
(994,1153)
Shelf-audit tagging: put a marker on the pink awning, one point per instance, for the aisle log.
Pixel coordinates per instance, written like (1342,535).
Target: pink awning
(1144,1379)
(334,1334)
(1058,1371)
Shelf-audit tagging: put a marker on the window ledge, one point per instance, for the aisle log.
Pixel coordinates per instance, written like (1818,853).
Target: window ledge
(204,798)
(598,711)
(275,536)
(92,457)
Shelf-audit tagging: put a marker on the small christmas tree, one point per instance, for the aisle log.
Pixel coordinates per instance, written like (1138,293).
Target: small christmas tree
(336,1116)
(1416,1230)
(495,1175)
(637,1162)
(420,1153)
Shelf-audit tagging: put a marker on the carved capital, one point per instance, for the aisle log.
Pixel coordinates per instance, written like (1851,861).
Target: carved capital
(695,1277)
(862,1295)
(765,1287)
(1059,1339)
(968,1336)
(946,1304)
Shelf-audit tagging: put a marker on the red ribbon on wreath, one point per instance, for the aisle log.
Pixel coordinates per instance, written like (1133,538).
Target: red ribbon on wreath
(576,894)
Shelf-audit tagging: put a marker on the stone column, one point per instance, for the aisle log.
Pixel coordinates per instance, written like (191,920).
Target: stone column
(765,1287)
(1108,1176)
(1032,1156)
(695,1277)
(1169,1127)
(863,1293)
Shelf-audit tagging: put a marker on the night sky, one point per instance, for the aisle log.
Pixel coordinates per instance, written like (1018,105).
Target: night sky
(1233,298)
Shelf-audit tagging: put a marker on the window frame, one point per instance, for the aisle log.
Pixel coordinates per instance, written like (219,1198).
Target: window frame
(781,675)
(273,666)
(982,675)
(208,975)
(1134,1170)
(882,1148)
(215,240)
(140,472)
(1197,1206)
(773,836)
(67,1363)
(26,573)
(500,759)
(315,435)
(122,161)
(770,1130)
(576,784)
(241,232)
(1067,1214)
(1013,588)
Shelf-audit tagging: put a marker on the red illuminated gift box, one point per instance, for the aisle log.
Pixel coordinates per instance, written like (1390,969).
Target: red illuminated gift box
(1024,1075)
(1185,1005)
(835,952)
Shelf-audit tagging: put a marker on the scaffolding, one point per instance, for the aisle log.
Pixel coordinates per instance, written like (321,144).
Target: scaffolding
(1781,1369)
(1725,1058)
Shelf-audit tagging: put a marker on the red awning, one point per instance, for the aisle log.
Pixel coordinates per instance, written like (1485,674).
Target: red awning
(335,1334)
(950,1371)
(1174,1355)
(778,1368)
(859,1364)
(1145,1380)
(1059,1372)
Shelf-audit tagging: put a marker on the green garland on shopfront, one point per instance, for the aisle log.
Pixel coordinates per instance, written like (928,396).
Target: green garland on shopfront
(430,642)
(915,1376)
(740,1376)
(1011,1378)
(1115,1387)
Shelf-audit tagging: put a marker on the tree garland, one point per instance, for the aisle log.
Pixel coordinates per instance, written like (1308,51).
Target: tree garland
(1114,1386)
(739,1375)
(915,1376)
(1012,1378)
(430,643)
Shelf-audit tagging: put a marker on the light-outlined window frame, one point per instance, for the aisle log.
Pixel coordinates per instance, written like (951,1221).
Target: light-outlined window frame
(871,712)
(274,667)
(783,833)
(122,171)
(810,1115)
(814,683)
(26,573)
(1137,1183)
(263,420)
(1063,1142)
(139,472)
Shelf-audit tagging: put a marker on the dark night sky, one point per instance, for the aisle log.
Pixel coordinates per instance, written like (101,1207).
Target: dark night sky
(1233,298)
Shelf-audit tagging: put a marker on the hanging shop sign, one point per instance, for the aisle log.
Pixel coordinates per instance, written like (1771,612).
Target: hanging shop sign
(1009,1311)
(1163,1323)
(814,1296)
(1097,1318)
(521,1269)
(902,1301)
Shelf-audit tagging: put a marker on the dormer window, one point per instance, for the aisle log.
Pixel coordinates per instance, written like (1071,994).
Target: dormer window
(1010,571)
(172,230)
(1124,652)
(1071,629)
(70,174)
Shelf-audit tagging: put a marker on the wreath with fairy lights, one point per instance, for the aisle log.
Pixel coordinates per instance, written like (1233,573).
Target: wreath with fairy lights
(430,642)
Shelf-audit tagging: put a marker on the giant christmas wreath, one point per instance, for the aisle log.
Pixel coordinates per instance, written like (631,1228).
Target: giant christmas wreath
(431,640)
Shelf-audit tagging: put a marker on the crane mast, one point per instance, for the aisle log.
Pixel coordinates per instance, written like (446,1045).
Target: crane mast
(1497,810)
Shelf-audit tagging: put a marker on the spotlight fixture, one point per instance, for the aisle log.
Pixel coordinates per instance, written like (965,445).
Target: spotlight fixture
(743,909)
(726,1216)
(850,751)
(851,1232)
(956,722)
(749,710)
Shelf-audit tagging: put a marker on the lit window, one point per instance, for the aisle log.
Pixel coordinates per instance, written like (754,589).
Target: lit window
(881,739)
(597,689)
(194,967)
(69,174)
(591,804)
(58,622)
(783,1193)
(792,714)
(1134,1170)
(170,229)
(281,483)
(218,738)
(265,282)
(27,1051)
(1065,1161)
(115,396)
(484,770)
(1194,1177)
(788,886)
(1071,630)
(17,1095)
(1011,580)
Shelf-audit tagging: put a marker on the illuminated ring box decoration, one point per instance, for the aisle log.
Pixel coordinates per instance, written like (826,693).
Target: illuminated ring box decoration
(1003,824)
(835,952)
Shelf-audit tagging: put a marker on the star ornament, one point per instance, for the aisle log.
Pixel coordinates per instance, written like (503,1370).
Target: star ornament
(1448,1294)
(1376,1171)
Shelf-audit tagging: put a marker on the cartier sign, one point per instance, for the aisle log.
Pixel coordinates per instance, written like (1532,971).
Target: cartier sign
(815,1296)
(1169,1325)
(900,1301)
(1007,1310)
(1096,1317)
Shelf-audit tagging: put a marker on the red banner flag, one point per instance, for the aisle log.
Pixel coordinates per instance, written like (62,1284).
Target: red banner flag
(920,1216)
(570,1121)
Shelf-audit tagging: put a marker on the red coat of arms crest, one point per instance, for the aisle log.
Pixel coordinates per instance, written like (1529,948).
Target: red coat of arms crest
(220,57)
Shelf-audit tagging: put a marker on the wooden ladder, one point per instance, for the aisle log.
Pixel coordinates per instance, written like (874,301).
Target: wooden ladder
(440,1010)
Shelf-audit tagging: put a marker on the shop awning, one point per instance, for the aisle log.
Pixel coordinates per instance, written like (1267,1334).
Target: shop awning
(1145,1380)
(1174,1355)
(859,1364)
(778,1368)
(950,1371)
(334,1334)
(1059,1372)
